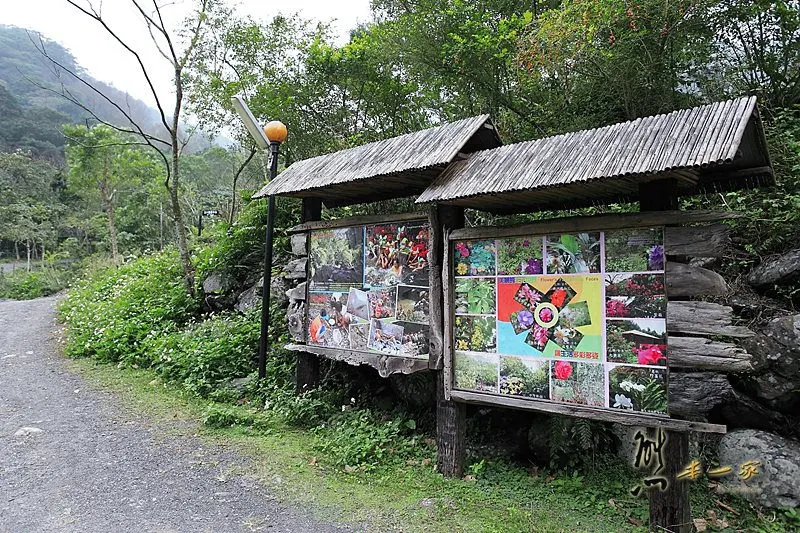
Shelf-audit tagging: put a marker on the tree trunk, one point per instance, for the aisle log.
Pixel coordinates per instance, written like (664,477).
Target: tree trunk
(16,249)
(28,249)
(173,186)
(108,205)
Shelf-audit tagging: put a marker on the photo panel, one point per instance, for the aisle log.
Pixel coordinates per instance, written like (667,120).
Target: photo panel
(475,334)
(415,339)
(641,341)
(636,388)
(634,250)
(336,259)
(396,253)
(578,382)
(524,376)
(359,336)
(329,320)
(358,304)
(550,316)
(382,302)
(474,258)
(475,371)
(413,304)
(635,295)
(573,253)
(475,296)
(520,256)
(385,337)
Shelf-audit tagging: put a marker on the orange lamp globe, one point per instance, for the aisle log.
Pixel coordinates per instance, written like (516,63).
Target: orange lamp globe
(276,131)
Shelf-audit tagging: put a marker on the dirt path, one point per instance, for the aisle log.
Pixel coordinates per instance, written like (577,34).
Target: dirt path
(72,460)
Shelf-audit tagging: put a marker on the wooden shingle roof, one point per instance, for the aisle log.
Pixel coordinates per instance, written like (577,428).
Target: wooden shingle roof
(392,168)
(720,146)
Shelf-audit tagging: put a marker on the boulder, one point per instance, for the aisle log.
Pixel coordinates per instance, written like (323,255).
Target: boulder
(779,270)
(776,479)
(298,243)
(776,358)
(296,269)
(250,298)
(218,289)
(279,285)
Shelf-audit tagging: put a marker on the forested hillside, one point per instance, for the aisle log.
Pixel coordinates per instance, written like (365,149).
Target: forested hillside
(31,113)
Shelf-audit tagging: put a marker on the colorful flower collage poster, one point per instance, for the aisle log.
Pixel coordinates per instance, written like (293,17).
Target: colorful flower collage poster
(368,289)
(563,318)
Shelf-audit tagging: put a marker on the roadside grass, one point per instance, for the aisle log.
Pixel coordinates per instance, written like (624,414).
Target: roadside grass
(496,496)
(410,497)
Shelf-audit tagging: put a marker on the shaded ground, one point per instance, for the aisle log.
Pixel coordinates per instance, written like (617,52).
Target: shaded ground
(71,459)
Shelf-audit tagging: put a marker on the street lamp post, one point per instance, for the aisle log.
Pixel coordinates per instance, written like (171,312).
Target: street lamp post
(276,133)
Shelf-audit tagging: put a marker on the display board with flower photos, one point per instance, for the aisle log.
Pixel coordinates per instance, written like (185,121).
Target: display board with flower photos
(368,289)
(576,318)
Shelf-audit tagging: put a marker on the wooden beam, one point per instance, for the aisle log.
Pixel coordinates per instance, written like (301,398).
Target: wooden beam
(595,413)
(704,354)
(594,223)
(697,241)
(703,318)
(365,220)
(386,365)
(307,368)
(670,508)
(684,281)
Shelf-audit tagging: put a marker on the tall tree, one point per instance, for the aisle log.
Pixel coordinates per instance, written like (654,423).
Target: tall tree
(178,48)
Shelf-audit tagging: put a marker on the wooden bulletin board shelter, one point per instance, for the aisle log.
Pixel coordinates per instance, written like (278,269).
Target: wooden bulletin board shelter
(394,168)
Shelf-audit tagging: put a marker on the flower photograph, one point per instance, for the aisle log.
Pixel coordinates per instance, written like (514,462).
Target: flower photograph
(638,341)
(523,376)
(474,258)
(475,334)
(635,296)
(520,256)
(336,259)
(475,371)
(573,253)
(638,389)
(634,250)
(578,382)
(475,296)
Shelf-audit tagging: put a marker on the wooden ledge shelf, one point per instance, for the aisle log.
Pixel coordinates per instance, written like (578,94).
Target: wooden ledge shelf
(386,365)
(627,418)
(593,223)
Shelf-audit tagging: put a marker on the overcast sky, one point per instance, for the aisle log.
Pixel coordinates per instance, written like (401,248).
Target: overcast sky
(107,61)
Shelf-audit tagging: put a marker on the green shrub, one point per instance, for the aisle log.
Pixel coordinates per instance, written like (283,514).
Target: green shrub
(359,438)
(112,312)
(205,355)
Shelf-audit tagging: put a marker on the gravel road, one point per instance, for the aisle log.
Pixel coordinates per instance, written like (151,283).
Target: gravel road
(72,459)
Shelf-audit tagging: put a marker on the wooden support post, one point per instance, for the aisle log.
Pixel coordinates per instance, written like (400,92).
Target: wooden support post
(307,370)
(450,430)
(450,415)
(669,509)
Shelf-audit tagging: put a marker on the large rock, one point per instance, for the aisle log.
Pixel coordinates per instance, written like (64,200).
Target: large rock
(780,270)
(777,483)
(250,298)
(776,357)
(218,290)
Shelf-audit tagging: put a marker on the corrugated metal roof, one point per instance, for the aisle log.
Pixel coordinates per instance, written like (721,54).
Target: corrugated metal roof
(407,164)
(608,163)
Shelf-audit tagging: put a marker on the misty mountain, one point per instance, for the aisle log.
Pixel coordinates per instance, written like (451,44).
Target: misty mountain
(31,114)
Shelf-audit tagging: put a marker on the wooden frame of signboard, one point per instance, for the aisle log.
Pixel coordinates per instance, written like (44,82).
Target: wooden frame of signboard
(677,244)
(385,364)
